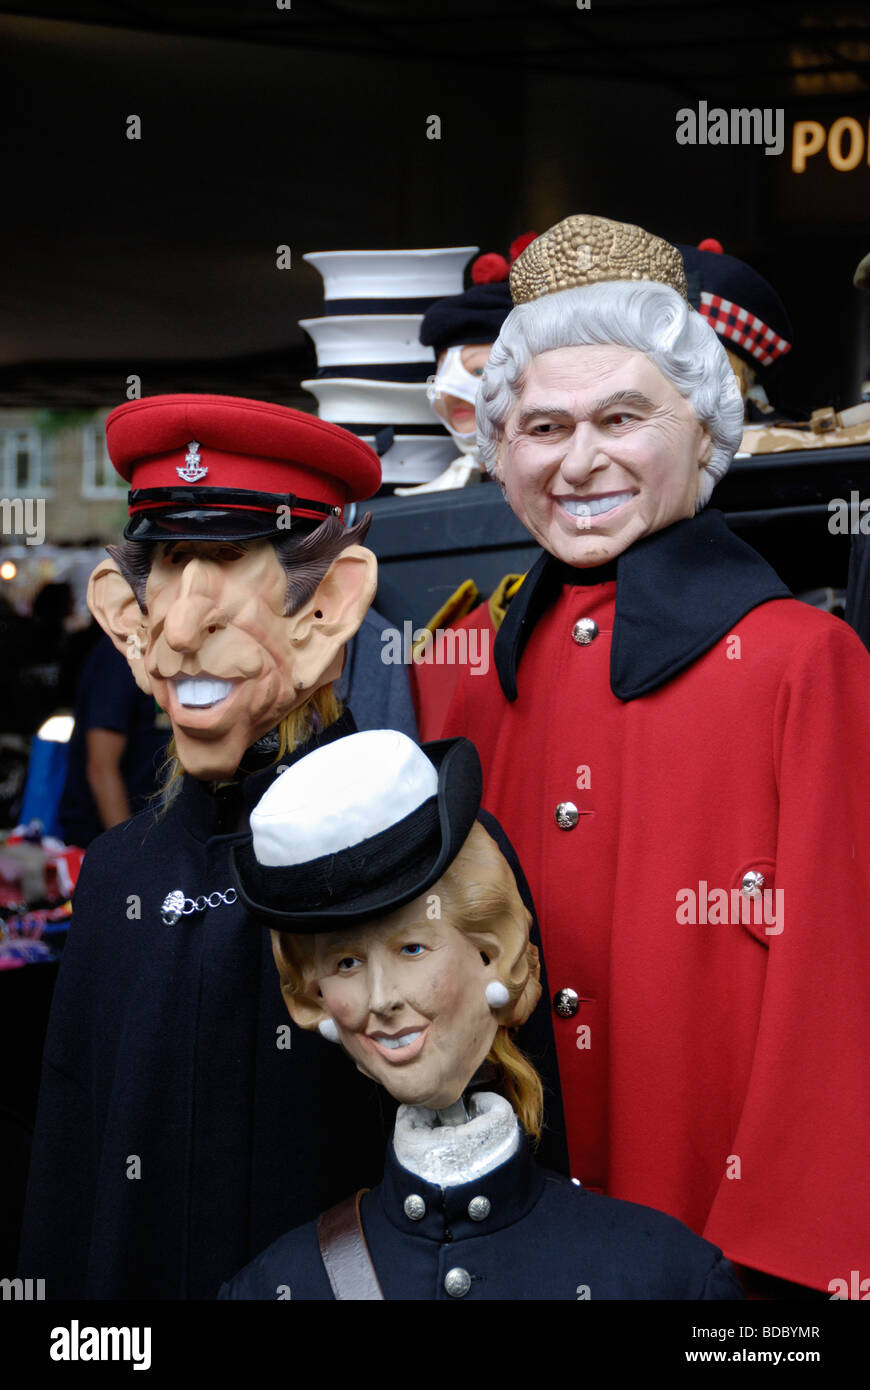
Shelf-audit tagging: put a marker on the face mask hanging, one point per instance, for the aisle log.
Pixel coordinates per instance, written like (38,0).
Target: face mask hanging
(452,379)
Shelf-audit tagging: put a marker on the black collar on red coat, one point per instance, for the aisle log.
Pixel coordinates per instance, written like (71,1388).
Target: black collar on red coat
(678,592)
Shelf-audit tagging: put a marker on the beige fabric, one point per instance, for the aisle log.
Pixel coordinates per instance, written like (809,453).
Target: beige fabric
(827,429)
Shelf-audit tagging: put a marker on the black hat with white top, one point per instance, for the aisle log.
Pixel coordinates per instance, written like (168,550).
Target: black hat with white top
(357,829)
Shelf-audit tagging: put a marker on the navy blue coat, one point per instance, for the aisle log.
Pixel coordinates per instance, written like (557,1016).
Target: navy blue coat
(544,1238)
(379,694)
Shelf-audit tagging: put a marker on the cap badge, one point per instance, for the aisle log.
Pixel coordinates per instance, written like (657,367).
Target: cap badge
(194,468)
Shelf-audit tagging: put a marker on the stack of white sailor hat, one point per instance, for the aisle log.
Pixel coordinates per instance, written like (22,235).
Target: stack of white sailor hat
(372,369)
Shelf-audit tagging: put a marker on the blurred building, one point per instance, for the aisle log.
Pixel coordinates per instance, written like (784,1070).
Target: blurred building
(60,457)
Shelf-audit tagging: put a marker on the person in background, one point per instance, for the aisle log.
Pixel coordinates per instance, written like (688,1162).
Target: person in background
(116,750)
(41,654)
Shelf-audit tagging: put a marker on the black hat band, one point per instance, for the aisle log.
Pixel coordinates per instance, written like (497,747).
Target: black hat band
(398,856)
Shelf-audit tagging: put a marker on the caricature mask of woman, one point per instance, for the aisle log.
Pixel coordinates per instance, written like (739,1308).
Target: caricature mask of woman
(420,998)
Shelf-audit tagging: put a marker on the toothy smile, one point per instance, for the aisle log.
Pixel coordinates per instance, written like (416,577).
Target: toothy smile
(199,692)
(397,1047)
(594,506)
(403,1040)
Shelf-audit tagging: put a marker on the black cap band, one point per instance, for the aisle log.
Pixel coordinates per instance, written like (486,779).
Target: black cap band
(215,513)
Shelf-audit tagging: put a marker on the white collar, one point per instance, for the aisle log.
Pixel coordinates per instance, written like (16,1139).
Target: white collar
(449,1155)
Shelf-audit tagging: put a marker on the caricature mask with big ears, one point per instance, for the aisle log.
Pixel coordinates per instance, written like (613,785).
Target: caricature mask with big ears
(230,636)
(232,597)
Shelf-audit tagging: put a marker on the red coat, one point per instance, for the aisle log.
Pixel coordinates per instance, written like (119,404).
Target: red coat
(719,1071)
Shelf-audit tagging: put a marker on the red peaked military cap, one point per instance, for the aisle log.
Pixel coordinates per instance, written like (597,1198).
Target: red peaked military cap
(219,467)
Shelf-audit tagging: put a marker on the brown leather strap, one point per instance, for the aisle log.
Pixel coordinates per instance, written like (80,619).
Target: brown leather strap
(344,1252)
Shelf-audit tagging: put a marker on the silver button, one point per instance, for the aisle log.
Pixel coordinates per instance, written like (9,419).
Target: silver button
(415,1207)
(751,883)
(584,631)
(457,1282)
(479,1208)
(566,1002)
(566,815)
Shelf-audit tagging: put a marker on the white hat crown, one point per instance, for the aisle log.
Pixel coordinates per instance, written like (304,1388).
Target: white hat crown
(339,795)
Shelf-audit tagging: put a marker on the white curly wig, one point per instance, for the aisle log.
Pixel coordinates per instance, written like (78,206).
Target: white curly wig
(648,317)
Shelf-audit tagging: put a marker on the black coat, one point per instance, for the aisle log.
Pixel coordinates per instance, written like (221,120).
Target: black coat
(544,1238)
(163,1046)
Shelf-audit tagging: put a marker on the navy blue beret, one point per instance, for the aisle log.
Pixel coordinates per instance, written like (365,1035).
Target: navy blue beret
(473,317)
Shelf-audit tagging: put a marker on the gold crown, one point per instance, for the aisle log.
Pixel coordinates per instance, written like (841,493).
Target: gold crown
(584,250)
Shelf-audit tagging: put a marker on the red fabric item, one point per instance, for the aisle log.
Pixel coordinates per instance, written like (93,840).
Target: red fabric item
(519,244)
(238,471)
(488,268)
(726,1077)
(244,444)
(433,685)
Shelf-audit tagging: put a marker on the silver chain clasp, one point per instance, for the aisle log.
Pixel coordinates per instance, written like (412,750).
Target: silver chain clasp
(176,905)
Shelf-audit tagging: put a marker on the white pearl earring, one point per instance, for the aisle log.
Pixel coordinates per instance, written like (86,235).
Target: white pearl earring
(327,1028)
(497,995)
